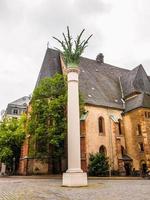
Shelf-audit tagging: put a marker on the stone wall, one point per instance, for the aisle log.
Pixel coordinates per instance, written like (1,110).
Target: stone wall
(131,121)
(109,139)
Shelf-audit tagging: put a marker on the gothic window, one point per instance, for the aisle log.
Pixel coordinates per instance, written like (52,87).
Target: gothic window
(119,127)
(139,130)
(101,125)
(141,147)
(103,150)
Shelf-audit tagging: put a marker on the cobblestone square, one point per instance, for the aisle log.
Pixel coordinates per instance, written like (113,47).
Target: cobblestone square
(51,189)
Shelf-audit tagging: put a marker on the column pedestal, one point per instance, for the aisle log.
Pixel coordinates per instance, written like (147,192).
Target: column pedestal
(74,179)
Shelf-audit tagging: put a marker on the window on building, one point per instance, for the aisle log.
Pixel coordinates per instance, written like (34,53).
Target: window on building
(147,114)
(139,130)
(15,112)
(141,146)
(103,150)
(123,151)
(119,126)
(101,125)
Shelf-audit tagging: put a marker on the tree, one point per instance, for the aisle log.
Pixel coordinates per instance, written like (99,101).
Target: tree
(12,134)
(47,123)
(98,164)
(72,50)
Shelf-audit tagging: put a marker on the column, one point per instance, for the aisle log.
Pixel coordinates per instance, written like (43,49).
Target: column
(74,176)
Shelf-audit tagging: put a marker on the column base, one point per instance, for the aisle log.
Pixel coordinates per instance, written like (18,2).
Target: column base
(74,179)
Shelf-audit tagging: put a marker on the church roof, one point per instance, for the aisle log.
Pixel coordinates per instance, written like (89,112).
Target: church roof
(99,83)
(135,81)
(50,66)
(103,84)
(138,101)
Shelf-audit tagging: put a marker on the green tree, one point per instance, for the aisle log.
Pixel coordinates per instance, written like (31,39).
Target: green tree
(98,164)
(72,49)
(12,134)
(47,123)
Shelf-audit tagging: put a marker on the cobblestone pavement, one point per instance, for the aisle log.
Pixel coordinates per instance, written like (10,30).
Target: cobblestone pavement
(51,189)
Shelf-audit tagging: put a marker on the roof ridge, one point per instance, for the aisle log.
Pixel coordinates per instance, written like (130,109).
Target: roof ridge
(127,70)
(140,66)
(91,59)
(19,99)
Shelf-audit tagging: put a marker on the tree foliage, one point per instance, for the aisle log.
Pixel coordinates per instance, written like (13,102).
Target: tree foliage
(47,121)
(98,164)
(12,134)
(72,50)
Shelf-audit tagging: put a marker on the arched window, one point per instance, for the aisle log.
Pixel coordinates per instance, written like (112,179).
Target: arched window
(101,125)
(139,130)
(103,150)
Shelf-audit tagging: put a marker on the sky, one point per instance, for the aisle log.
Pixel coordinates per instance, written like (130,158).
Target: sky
(121,31)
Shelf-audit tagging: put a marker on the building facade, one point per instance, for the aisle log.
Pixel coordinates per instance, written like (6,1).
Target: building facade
(117,117)
(17,107)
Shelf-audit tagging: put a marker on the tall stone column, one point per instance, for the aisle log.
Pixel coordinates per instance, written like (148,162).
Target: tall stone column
(74,176)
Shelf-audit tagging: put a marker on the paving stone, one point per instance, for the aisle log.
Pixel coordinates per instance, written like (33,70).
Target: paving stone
(51,189)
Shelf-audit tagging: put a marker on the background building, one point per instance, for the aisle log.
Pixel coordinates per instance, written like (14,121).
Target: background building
(17,107)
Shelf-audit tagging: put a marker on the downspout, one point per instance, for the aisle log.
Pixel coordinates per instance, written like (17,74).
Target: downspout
(111,160)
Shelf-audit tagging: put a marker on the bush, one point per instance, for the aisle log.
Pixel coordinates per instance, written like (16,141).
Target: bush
(98,165)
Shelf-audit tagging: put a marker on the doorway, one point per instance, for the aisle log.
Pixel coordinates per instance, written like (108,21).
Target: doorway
(128,168)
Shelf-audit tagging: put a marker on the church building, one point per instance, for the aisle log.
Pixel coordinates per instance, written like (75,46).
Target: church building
(117,117)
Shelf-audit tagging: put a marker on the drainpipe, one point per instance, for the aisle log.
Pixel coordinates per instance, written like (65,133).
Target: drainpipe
(111,146)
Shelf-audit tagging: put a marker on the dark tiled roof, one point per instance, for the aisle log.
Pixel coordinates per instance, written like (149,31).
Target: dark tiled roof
(51,65)
(141,100)
(135,81)
(99,82)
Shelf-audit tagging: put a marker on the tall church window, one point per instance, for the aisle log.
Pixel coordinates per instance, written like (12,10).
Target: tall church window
(119,127)
(139,130)
(101,125)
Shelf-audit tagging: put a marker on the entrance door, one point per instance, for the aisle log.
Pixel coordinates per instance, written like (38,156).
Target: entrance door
(128,168)
(144,169)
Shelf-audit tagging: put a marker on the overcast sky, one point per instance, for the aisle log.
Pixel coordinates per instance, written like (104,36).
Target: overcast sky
(121,31)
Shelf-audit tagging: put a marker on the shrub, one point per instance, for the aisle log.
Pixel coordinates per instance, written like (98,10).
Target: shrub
(98,165)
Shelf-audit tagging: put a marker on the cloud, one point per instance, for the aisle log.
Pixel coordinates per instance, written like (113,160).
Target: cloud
(120,30)
(92,7)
